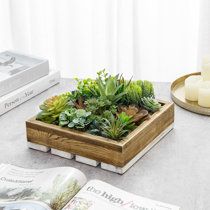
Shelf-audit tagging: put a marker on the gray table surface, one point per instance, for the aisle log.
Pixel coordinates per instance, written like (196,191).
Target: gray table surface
(176,170)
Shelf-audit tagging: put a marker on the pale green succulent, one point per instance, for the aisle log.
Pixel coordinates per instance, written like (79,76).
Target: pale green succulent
(111,88)
(150,104)
(98,106)
(147,89)
(52,107)
(136,90)
(86,88)
(75,118)
(134,93)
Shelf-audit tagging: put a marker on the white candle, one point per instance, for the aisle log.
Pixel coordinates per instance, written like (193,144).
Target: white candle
(192,84)
(206,59)
(204,94)
(205,73)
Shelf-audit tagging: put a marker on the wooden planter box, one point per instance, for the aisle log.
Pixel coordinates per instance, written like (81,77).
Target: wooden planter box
(90,149)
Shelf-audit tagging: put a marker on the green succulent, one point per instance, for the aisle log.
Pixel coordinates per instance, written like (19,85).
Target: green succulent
(86,88)
(126,120)
(94,105)
(147,89)
(117,128)
(134,93)
(75,118)
(136,90)
(108,114)
(146,86)
(103,75)
(111,88)
(150,104)
(95,127)
(97,106)
(52,107)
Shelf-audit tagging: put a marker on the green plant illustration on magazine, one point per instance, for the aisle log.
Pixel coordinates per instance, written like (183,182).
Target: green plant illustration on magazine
(24,186)
(66,192)
(79,203)
(56,196)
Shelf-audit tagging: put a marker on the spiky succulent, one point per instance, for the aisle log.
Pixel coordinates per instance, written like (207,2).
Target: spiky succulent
(111,88)
(150,104)
(52,107)
(117,128)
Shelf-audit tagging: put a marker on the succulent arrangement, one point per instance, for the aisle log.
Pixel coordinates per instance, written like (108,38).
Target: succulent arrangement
(108,106)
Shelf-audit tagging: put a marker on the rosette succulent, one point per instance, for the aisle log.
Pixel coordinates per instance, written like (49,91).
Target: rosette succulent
(117,128)
(111,88)
(150,104)
(97,106)
(52,107)
(75,118)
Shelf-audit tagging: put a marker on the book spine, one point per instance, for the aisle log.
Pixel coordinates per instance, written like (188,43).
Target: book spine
(28,92)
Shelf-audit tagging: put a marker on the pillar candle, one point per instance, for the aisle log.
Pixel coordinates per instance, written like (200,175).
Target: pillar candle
(192,84)
(204,94)
(205,73)
(206,59)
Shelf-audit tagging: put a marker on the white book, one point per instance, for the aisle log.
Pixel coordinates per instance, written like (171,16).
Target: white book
(65,188)
(17,70)
(17,97)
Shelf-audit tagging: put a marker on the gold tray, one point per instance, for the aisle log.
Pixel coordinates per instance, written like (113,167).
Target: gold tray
(178,96)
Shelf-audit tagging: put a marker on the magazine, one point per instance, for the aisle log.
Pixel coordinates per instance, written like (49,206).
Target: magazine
(65,188)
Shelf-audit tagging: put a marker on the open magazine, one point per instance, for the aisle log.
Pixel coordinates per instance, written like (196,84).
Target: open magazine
(65,188)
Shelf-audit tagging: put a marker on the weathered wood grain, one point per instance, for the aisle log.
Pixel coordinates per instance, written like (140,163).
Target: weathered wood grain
(99,148)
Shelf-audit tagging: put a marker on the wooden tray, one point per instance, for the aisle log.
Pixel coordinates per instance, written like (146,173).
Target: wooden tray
(178,96)
(90,149)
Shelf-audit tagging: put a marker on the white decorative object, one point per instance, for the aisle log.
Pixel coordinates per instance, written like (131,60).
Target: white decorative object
(206,59)
(86,160)
(63,154)
(204,94)
(192,84)
(38,147)
(205,73)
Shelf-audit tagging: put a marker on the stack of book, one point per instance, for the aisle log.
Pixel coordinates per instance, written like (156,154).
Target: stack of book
(23,77)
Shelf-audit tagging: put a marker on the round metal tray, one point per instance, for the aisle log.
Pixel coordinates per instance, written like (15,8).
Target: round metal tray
(178,96)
